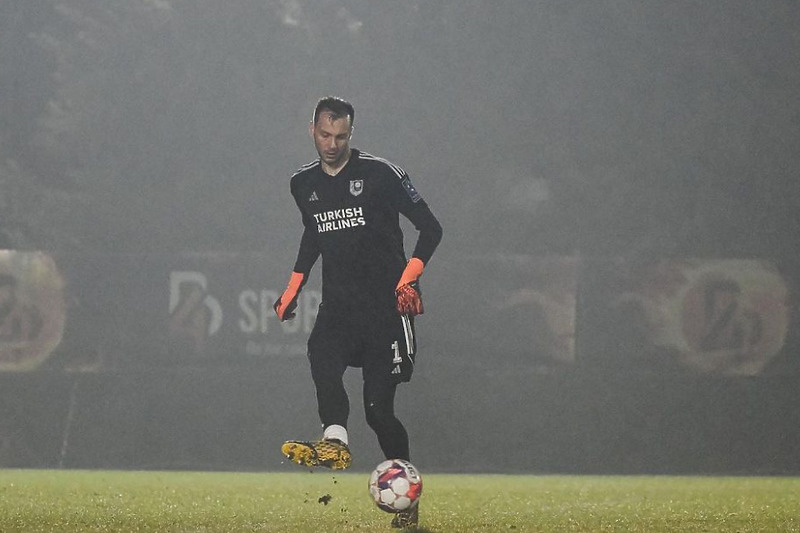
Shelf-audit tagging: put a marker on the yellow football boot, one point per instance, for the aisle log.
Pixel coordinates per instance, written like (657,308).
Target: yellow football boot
(330,453)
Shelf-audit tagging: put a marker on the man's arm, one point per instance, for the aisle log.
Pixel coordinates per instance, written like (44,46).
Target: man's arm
(414,208)
(306,257)
(308,253)
(429,228)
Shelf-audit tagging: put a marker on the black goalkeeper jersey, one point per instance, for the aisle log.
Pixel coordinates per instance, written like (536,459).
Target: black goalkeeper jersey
(352,220)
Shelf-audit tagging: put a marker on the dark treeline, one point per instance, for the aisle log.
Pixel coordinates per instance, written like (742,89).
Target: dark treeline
(601,127)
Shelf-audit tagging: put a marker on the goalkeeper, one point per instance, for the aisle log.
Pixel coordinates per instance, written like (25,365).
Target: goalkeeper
(350,202)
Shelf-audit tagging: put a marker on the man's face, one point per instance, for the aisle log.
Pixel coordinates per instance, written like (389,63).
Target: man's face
(331,138)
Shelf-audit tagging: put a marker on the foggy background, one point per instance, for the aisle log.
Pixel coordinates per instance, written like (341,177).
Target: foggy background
(596,128)
(605,127)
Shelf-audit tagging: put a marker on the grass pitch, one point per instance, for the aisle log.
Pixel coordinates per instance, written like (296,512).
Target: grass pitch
(321,501)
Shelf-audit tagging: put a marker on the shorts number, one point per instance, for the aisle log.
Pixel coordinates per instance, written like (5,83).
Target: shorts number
(396,348)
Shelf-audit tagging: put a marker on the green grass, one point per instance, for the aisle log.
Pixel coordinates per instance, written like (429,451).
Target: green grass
(193,502)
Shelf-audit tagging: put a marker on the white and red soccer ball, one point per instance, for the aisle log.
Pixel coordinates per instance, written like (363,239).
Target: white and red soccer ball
(395,485)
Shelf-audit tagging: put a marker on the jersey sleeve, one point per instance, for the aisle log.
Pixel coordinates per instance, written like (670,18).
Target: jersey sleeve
(411,205)
(308,253)
(309,249)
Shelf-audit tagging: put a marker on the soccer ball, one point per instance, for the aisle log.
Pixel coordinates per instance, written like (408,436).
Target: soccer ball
(395,485)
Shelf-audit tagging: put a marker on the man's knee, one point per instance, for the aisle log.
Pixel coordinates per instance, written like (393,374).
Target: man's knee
(378,414)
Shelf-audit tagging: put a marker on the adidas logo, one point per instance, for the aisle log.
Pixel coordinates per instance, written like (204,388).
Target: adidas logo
(313,197)
(396,370)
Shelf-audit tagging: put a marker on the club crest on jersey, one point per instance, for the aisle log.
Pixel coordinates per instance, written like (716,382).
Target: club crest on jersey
(356,187)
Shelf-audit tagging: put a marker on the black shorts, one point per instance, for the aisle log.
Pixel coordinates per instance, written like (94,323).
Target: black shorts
(382,343)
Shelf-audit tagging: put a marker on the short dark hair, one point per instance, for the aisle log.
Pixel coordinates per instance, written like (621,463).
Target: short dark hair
(336,106)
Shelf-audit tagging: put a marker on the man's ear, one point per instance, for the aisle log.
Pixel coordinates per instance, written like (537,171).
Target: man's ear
(311,129)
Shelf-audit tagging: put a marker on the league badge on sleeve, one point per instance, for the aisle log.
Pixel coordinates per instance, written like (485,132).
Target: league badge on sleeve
(412,192)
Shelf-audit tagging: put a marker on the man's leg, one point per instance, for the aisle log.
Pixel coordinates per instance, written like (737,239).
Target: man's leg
(327,371)
(390,361)
(327,348)
(379,409)
(392,435)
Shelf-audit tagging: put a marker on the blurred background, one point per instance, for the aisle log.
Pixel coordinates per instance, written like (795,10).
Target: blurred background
(617,182)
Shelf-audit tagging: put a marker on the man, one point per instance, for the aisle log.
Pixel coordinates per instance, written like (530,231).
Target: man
(350,203)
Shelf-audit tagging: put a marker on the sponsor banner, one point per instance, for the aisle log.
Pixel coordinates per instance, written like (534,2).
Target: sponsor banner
(108,312)
(145,311)
(706,316)
(223,308)
(210,309)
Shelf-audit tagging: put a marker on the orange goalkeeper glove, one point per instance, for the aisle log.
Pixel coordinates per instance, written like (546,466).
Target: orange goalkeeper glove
(285,305)
(408,292)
